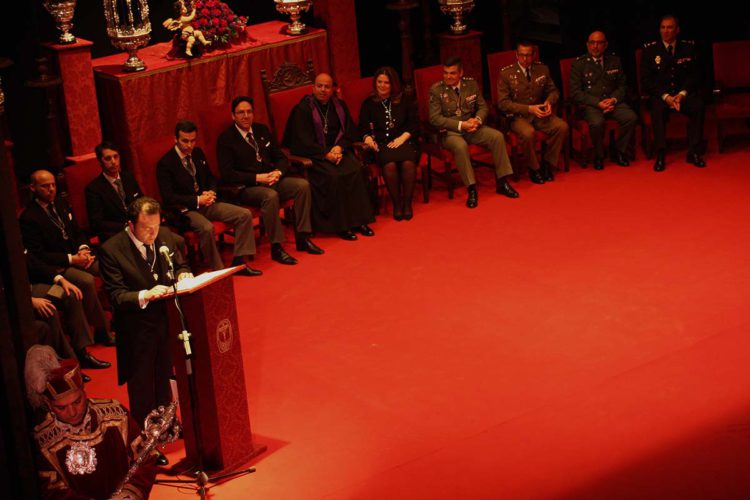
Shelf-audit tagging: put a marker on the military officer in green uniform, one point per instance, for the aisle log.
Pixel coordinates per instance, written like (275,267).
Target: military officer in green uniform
(457,105)
(670,76)
(526,92)
(598,85)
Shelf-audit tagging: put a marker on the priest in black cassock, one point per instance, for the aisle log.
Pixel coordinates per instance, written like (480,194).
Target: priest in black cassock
(320,128)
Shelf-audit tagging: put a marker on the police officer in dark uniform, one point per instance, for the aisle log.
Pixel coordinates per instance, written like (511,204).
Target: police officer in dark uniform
(670,76)
(598,84)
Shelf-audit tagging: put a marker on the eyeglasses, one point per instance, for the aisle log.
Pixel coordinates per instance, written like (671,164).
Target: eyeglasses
(596,42)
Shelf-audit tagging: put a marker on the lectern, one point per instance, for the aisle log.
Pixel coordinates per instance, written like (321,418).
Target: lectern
(224,420)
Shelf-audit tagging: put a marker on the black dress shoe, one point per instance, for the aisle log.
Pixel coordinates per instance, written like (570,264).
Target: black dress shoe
(536,176)
(472,200)
(502,187)
(88,360)
(347,235)
(696,160)
(161,460)
(85,378)
(659,164)
(248,272)
(620,159)
(279,255)
(364,230)
(306,245)
(598,163)
(102,337)
(547,172)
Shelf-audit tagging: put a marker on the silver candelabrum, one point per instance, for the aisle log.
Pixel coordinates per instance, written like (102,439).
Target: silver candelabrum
(294,8)
(128,28)
(458,9)
(62,12)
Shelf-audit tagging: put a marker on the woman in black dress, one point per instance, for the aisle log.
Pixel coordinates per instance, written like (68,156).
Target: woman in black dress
(388,124)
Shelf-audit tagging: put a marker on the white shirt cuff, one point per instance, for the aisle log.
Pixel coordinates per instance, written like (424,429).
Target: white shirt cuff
(142,299)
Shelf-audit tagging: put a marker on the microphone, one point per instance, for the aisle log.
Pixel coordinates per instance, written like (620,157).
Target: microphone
(164,251)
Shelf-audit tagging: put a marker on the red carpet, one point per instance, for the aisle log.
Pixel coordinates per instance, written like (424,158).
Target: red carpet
(588,340)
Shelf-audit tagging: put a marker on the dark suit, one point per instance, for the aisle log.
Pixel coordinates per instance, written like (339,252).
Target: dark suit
(664,74)
(43,237)
(42,277)
(144,361)
(180,193)
(106,210)
(590,83)
(239,164)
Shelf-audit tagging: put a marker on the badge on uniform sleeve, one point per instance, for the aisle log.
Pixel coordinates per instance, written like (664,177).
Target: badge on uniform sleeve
(657,59)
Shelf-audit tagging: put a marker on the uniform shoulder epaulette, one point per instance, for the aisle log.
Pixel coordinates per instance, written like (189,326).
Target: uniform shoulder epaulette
(507,67)
(691,42)
(437,84)
(649,44)
(468,78)
(581,58)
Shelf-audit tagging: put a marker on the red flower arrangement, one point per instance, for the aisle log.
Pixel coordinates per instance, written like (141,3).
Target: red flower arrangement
(217,21)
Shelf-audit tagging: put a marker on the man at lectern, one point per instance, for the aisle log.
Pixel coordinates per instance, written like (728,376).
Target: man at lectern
(136,274)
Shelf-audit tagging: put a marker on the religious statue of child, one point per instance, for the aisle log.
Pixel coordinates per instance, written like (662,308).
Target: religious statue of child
(188,34)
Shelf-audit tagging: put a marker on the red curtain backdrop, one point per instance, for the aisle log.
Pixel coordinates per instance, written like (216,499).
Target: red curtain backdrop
(139,107)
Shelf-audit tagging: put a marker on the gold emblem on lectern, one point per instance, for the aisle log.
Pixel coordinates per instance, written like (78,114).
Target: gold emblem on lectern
(224,335)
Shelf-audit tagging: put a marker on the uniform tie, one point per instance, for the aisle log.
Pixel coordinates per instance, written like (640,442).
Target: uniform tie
(528,74)
(670,49)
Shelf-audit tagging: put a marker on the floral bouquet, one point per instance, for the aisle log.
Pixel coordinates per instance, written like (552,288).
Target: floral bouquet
(217,21)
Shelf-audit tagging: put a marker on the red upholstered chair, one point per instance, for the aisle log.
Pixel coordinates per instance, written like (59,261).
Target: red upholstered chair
(288,85)
(732,84)
(579,128)
(495,62)
(76,178)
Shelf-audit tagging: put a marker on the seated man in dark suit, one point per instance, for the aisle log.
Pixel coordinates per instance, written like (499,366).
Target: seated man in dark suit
(136,276)
(188,186)
(248,154)
(50,290)
(110,193)
(51,234)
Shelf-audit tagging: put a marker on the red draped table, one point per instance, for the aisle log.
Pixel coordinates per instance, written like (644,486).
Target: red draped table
(138,107)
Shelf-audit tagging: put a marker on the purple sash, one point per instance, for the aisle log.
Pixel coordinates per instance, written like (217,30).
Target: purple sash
(318,119)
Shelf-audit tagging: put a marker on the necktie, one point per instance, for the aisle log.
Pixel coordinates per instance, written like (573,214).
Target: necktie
(56,220)
(458,91)
(190,167)
(120,190)
(600,62)
(670,49)
(149,254)
(528,74)
(250,138)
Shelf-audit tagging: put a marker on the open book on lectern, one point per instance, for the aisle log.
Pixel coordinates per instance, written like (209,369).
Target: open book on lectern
(191,285)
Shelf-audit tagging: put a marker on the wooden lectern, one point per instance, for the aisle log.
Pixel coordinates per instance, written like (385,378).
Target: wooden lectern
(224,420)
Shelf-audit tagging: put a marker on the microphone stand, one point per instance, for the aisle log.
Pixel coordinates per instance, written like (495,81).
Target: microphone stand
(201,478)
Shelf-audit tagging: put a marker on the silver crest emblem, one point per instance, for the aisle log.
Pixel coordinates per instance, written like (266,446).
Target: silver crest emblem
(80,459)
